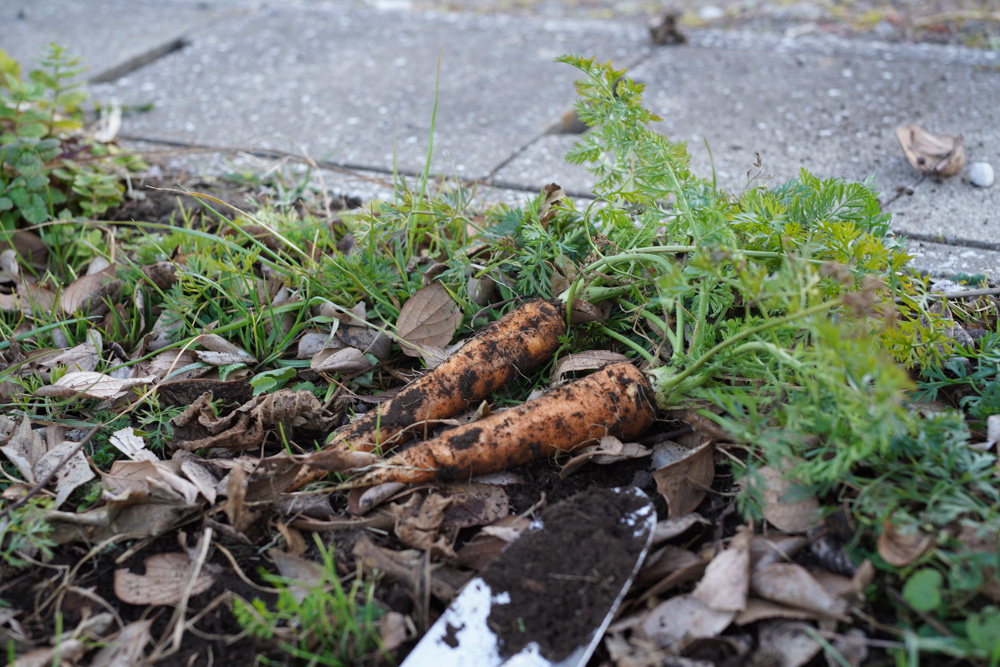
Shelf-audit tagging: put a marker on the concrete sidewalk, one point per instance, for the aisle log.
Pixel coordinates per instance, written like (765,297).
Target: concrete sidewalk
(354,86)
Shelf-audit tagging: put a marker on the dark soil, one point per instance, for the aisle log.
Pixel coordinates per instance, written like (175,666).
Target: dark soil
(563,578)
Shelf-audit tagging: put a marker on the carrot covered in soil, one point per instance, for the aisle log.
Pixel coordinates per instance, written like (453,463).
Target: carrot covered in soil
(615,400)
(513,346)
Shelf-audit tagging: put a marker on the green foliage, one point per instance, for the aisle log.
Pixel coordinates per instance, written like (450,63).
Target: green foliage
(50,170)
(316,624)
(923,589)
(25,531)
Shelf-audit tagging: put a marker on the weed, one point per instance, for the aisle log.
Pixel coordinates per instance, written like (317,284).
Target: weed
(318,624)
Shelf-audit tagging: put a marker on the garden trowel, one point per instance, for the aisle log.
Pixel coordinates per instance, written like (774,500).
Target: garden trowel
(548,597)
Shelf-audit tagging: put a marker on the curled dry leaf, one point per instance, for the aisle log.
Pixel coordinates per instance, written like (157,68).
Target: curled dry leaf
(88,295)
(419,524)
(682,618)
(428,318)
(88,384)
(305,574)
(794,586)
(667,529)
(314,342)
(152,478)
(901,548)
(133,514)
(585,361)
(932,154)
(367,340)
(404,566)
(348,360)
(726,581)
(607,451)
(788,506)
(553,196)
(131,445)
(166,577)
(69,473)
(24,448)
(126,648)
(683,481)
(789,643)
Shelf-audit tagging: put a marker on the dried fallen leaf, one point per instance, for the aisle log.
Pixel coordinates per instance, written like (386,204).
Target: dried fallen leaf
(152,478)
(788,643)
(348,360)
(667,529)
(419,524)
(164,581)
(131,445)
(793,585)
(88,384)
(587,360)
(607,451)
(24,448)
(88,295)
(902,548)
(932,154)
(428,318)
(305,574)
(788,506)
(683,618)
(726,581)
(70,473)
(553,196)
(133,514)
(126,648)
(683,481)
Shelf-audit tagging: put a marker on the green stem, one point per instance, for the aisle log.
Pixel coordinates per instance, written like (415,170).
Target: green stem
(625,341)
(667,382)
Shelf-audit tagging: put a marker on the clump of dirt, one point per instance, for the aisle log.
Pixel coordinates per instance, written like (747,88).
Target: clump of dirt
(558,597)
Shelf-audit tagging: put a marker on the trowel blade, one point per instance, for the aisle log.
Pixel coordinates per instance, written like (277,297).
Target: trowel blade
(468,632)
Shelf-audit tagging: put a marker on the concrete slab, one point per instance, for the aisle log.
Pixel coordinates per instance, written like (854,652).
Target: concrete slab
(349,85)
(111,36)
(829,105)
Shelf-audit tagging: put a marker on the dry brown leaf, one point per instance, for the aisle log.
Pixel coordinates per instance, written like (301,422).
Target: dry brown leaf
(239,513)
(164,581)
(131,514)
(683,482)
(69,475)
(587,360)
(428,318)
(29,246)
(155,478)
(28,299)
(348,360)
(305,574)
(667,529)
(88,384)
(788,506)
(665,561)
(162,274)
(553,195)
(419,524)
(131,445)
(475,504)
(789,643)
(367,340)
(88,295)
(758,609)
(10,272)
(170,362)
(82,357)
(932,154)
(900,548)
(767,549)
(67,653)
(24,448)
(126,648)
(793,585)
(726,581)
(608,450)
(403,566)
(392,630)
(198,427)
(682,618)
(314,342)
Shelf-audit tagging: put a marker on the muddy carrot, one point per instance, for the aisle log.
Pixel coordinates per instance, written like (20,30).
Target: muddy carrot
(513,346)
(615,400)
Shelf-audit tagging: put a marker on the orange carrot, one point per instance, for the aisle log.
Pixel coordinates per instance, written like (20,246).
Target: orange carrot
(513,346)
(616,400)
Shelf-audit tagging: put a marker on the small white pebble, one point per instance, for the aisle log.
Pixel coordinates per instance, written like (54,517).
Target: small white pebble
(710,13)
(981,174)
